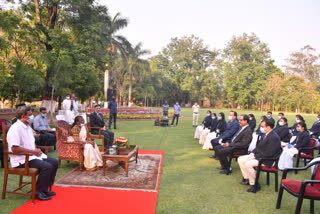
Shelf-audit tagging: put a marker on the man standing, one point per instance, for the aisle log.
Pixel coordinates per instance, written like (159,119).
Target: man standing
(113,112)
(21,140)
(40,124)
(165,109)
(69,107)
(96,120)
(176,113)
(238,144)
(268,147)
(195,111)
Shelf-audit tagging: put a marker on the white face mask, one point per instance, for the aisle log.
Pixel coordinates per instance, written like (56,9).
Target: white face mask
(262,130)
(230,117)
(208,114)
(281,123)
(318,118)
(82,124)
(68,98)
(297,121)
(298,129)
(268,116)
(213,117)
(219,118)
(250,118)
(279,117)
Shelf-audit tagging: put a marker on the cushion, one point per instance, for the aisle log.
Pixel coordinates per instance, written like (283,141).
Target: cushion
(267,168)
(295,186)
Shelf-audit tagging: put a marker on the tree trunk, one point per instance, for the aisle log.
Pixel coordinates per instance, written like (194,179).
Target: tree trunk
(51,113)
(36,4)
(130,85)
(106,83)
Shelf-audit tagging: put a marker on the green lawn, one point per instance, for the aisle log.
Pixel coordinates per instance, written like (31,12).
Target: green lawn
(190,182)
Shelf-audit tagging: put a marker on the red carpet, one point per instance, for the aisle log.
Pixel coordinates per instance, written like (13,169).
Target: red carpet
(96,200)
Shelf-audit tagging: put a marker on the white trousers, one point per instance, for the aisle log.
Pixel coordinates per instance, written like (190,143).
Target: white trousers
(203,135)
(195,119)
(198,131)
(286,158)
(207,143)
(247,164)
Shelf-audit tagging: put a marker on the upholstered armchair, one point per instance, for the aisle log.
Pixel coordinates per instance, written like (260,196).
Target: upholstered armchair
(68,151)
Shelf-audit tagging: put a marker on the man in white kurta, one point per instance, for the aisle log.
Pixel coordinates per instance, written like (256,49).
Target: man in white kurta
(21,140)
(195,111)
(70,108)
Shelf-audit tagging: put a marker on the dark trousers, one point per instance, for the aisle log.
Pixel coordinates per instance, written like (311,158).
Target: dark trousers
(47,172)
(174,117)
(114,116)
(222,153)
(108,138)
(52,140)
(165,113)
(215,142)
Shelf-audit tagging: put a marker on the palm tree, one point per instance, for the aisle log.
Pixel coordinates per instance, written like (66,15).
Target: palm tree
(136,65)
(118,43)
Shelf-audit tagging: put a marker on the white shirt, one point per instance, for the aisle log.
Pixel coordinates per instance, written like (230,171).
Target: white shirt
(21,135)
(195,108)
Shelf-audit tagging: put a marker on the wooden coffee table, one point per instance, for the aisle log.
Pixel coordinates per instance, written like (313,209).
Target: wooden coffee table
(123,156)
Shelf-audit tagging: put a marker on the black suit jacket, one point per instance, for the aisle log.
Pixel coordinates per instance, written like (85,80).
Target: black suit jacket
(214,124)
(302,140)
(222,124)
(96,121)
(252,124)
(283,132)
(243,140)
(207,121)
(268,147)
(316,128)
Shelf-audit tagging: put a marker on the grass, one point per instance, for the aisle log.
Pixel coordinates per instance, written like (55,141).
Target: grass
(189,181)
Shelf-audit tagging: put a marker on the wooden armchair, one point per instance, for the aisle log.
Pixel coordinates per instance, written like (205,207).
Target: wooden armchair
(26,171)
(95,136)
(68,151)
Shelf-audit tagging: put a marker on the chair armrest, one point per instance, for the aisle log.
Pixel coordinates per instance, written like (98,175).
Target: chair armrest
(285,171)
(304,184)
(26,160)
(99,128)
(46,148)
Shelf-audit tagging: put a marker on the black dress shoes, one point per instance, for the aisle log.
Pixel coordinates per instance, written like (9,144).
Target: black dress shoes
(244,182)
(42,197)
(225,172)
(254,189)
(49,193)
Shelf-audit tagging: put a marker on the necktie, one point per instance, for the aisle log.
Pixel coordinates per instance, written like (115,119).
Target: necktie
(234,137)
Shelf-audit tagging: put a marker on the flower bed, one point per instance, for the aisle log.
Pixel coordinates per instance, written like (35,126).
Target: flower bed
(121,115)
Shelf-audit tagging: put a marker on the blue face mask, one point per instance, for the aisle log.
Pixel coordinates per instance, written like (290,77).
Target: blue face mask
(219,118)
(208,114)
(31,117)
(43,115)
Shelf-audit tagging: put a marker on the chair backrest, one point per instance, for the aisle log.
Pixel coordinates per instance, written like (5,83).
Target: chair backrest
(5,147)
(312,143)
(316,175)
(63,124)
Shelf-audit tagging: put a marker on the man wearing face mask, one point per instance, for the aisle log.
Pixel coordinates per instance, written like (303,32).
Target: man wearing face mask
(70,108)
(315,129)
(232,127)
(280,115)
(176,113)
(21,140)
(41,125)
(268,147)
(269,116)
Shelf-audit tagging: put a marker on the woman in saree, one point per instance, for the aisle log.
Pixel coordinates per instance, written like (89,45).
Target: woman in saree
(91,153)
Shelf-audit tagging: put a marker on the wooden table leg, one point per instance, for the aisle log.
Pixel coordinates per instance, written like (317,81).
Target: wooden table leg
(127,167)
(104,166)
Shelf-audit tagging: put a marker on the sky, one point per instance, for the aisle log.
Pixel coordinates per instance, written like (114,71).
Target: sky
(285,25)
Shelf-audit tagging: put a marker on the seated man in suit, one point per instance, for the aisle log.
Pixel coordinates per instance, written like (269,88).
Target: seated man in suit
(232,127)
(96,120)
(315,129)
(238,144)
(268,147)
(21,140)
(41,125)
(283,130)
